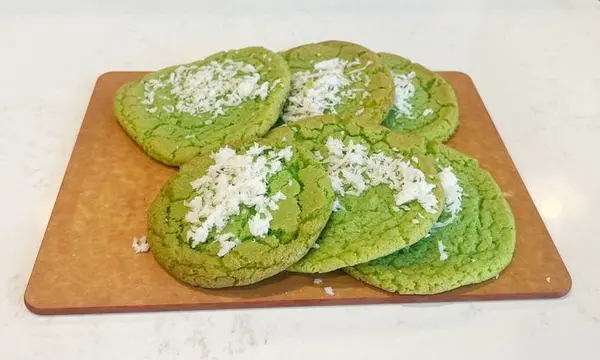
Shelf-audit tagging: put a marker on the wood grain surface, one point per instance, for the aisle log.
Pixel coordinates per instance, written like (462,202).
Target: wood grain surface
(86,264)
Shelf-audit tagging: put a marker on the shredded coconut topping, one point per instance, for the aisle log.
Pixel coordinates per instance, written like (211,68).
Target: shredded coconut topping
(319,91)
(453,194)
(353,170)
(427,112)
(211,88)
(141,245)
(232,181)
(405,90)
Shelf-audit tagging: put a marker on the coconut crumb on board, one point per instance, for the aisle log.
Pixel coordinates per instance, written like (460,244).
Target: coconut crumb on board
(548,279)
(329,290)
(317,281)
(141,245)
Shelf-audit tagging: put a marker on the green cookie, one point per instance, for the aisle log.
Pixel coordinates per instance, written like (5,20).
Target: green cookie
(229,97)
(378,220)
(424,104)
(470,247)
(235,218)
(336,77)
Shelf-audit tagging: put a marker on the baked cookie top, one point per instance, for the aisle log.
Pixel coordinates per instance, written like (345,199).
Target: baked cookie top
(240,215)
(473,240)
(336,77)
(424,103)
(387,195)
(232,96)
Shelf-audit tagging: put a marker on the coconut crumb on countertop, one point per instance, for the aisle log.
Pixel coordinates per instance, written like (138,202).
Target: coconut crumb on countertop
(329,290)
(317,281)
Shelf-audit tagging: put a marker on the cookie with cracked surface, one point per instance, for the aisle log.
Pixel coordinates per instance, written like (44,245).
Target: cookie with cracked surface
(424,103)
(336,77)
(239,215)
(232,96)
(387,191)
(470,246)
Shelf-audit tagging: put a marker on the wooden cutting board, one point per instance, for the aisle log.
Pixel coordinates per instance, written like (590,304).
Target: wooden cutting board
(86,264)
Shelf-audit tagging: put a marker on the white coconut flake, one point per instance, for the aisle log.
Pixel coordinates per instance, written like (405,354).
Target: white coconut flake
(405,90)
(318,155)
(415,159)
(275,83)
(329,290)
(234,180)
(226,243)
(442,251)
(152,110)
(316,246)
(337,205)
(427,112)
(453,194)
(190,136)
(320,90)
(317,281)
(415,221)
(141,245)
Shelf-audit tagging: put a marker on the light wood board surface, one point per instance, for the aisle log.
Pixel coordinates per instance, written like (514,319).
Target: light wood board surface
(86,264)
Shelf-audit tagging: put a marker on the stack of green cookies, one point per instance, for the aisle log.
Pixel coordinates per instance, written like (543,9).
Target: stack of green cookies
(326,156)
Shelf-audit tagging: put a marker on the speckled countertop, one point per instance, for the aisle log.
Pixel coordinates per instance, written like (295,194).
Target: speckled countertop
(536,64)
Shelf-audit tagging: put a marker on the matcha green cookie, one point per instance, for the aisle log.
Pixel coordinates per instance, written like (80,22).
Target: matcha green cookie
(229,97)
(424,103)
(336,77)
(473,241)
(239,215)
(387,192)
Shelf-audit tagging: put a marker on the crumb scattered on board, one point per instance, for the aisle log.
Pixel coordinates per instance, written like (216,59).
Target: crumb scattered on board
(141,245)
(329,290)
(548,279)
(317,281)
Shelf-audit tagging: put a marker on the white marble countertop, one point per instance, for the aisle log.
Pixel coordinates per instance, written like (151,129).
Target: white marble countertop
(536,64)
